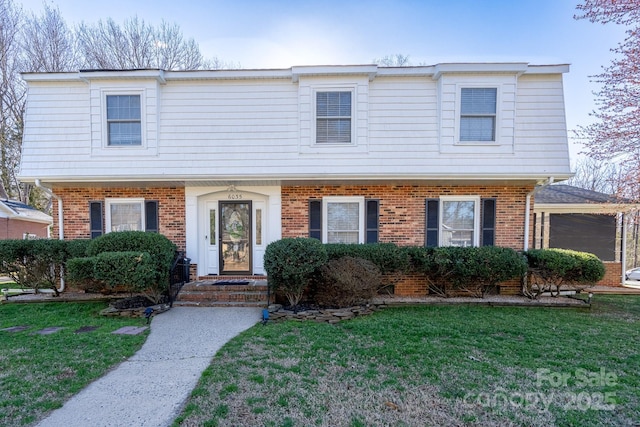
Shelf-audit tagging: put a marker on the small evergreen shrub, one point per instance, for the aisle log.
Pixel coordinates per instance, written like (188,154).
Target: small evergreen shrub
(33,264)
(551,269)
(472,270)
(133,270)
(347,281)
(291,263)
(77,248)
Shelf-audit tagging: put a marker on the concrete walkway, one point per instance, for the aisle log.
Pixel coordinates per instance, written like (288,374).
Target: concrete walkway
(150,388)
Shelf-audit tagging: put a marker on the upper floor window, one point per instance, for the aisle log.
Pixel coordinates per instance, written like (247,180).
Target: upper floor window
(123,120)
(333,117)
(478,114)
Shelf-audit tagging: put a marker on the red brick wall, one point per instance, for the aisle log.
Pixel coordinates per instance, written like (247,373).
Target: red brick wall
(75,201)
(613,274)
(15,228)
(402,209)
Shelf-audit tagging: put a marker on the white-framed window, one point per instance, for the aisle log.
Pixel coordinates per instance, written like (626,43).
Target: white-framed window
(124,215)
(343,219)
(459,221)
(334,116)
(123,119)
(478,114)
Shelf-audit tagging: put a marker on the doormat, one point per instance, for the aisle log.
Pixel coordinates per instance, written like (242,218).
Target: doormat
(231,282)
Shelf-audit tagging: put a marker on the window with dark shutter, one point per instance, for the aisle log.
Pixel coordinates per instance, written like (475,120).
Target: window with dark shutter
(152,223)
(95,219)
(432,222)
(488,216)
(315,219)
(371,225)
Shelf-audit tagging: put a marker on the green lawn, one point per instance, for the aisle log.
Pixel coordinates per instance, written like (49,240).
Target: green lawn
(39,372)
(434,366)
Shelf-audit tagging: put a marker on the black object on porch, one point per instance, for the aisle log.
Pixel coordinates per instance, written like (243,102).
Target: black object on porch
(178,276)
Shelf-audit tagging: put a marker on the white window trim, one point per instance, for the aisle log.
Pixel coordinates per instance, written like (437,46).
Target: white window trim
(314,116)
(476,216)
(114,201)
(458,112)
(105,126)
(343,199)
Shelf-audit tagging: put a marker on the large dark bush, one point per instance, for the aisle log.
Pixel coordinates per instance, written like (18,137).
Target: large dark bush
(290,264)
(77,248)
(347,281)
(34,264)
(551,269)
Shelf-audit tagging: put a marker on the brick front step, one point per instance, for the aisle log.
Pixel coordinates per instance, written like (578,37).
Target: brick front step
(221,292)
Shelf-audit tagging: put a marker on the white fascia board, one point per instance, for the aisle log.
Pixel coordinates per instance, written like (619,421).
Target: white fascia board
(229,74)
(333,70)
(584,208)
(481,67)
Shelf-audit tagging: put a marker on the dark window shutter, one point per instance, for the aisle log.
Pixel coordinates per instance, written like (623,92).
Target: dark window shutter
(488,221)
(315,219)
(432,222)
(95,219)
(152,224)
(371,225)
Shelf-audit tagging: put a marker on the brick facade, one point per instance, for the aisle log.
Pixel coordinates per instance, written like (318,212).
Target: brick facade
(171,209)
(402,209)
(612,275)
(11,228)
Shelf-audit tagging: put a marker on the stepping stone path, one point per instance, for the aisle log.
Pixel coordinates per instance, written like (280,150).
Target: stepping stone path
(49,331)
(84,329)
(15,329)
(130,330)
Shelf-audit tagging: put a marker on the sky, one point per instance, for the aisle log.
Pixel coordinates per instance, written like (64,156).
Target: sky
(285,33)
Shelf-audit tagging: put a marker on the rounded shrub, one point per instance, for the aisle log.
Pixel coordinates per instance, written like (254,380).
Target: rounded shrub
(550,269)
(387,256)
(290,264)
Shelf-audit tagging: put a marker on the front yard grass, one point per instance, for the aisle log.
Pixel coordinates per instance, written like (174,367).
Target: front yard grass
(432,366)
(39,372)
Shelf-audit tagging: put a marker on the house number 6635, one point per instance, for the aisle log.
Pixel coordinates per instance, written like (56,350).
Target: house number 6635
(234,196)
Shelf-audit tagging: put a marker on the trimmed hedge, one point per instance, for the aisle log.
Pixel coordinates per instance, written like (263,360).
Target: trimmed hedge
(387,256)
(134,270)
(472,270)
(291,263)
(550,269)
(147,271)
(34,264)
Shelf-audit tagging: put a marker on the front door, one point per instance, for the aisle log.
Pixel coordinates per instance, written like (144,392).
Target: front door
(235,237)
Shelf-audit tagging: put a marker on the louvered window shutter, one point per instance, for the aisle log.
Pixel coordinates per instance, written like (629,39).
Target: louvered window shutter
(95,219)
(371,225)
(315,219)
(488,221)
(432,222)
(152,223)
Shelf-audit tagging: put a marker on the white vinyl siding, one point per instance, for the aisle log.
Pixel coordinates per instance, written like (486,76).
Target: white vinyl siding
(263,130)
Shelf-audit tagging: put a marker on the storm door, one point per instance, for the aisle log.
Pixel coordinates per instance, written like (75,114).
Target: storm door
(235,237)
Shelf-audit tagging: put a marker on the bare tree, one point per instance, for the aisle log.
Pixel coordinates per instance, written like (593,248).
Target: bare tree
(47,43)
(136,45)
(395,60)
(12,95)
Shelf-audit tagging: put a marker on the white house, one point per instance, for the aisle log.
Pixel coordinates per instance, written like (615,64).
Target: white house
(224,162)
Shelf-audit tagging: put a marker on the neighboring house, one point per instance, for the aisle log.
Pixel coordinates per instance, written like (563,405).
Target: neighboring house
(570,217)
(21,221)
(225,162)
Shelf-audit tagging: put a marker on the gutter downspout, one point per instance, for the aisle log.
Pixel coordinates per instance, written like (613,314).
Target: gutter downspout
(527,212)
(60,221)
